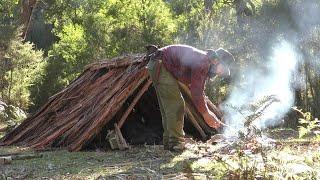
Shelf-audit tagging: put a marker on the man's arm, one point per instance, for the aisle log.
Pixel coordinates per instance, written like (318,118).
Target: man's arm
(198,77)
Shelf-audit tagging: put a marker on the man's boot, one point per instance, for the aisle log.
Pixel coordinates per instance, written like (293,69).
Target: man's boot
(177,146)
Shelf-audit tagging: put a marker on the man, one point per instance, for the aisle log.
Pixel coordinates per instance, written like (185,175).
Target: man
(192,67)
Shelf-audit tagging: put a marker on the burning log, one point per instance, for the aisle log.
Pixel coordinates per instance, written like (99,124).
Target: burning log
(92,104)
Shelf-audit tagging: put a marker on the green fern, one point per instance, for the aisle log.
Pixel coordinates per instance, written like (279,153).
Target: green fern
(308,124)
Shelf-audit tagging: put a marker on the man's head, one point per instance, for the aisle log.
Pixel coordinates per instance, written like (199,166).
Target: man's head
(221,61)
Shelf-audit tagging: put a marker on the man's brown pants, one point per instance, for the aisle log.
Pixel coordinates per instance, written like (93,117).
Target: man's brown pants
(170,101)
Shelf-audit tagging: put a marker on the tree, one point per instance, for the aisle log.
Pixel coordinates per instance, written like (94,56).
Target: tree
(88,31)
(20,65)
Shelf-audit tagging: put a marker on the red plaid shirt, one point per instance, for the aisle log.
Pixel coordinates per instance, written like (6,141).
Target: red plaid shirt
(189,66)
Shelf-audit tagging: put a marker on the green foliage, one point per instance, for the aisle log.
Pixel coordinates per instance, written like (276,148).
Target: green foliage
(243,167)
(308,124)
(11,115)
(92,30)
(23,66)
(50,83)
(71,50)
(20,66)
(188,15)
(9,9)
(66,60)
(137,23)
(8,25)
(115,27)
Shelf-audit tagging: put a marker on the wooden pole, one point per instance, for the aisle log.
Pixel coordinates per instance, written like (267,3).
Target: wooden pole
(195,123)
(214,108)
(210,105)
(188,99)
(122,144)
(134,102)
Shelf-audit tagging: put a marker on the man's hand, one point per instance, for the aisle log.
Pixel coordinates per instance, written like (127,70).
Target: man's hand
(211,119)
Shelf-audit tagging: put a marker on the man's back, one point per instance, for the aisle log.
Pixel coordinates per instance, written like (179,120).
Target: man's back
(189,66)
(184,61)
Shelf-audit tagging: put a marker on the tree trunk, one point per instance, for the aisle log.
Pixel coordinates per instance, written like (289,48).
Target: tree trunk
(28,7)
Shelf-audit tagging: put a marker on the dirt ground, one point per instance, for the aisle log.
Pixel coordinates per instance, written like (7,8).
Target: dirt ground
(290,158)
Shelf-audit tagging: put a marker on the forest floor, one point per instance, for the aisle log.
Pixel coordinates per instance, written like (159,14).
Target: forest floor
(291,157)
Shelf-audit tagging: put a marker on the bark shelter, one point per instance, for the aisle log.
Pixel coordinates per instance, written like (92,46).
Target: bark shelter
(80,115)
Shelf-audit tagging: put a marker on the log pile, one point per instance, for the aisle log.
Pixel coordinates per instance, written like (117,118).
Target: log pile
(103,96)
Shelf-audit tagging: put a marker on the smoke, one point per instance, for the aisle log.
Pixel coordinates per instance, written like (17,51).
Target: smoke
(297,22)
(305,15)
(278,77)
(274,79)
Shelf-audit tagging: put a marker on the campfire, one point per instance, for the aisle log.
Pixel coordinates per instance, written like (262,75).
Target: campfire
(249,140)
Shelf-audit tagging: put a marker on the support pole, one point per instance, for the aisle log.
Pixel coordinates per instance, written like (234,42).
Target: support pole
(195,123)
(134,102)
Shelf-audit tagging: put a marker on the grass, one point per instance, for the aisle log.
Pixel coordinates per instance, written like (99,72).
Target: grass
(287,160)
